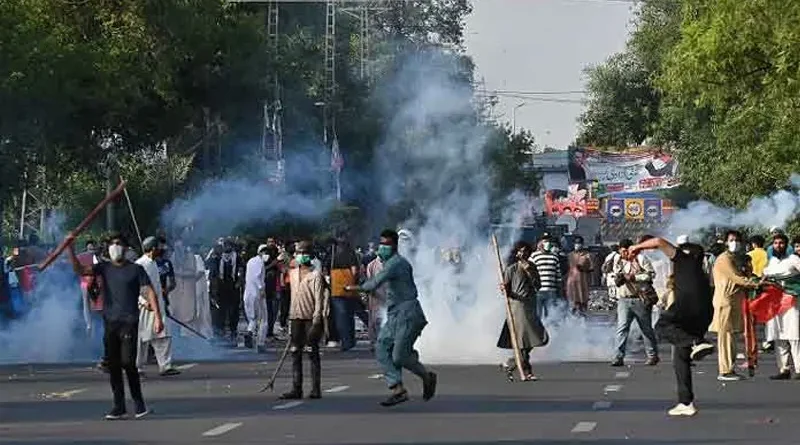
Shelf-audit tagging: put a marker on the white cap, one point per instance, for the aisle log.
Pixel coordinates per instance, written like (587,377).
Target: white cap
(262,248)
(682,239)
(775,229)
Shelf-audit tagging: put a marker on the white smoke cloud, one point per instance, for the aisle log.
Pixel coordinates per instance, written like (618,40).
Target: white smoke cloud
(435,147)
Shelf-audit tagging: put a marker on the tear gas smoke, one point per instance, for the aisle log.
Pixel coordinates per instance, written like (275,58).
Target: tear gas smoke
(434,153)
(246,196)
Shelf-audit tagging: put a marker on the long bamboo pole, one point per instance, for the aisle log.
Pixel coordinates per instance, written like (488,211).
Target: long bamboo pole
(82,226)
(512,326)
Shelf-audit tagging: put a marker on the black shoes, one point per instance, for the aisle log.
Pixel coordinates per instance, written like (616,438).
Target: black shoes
(116,414)
(429,386)
(618,363)
(294,394)
(783,375)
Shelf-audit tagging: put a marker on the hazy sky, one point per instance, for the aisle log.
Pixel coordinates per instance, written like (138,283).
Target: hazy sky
(544,45)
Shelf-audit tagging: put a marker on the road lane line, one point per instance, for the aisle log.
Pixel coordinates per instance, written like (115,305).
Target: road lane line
(584,427)
(222,429)
(337,389)
(602,404)
(288,405)
(612,388)
(65,394)
(622,375)
(186,366)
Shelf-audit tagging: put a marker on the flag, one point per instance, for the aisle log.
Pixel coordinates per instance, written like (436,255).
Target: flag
(772,302)
(337,161)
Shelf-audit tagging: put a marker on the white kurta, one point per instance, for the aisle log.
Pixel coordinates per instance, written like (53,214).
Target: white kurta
(147,319)
(182,300)
(202,321)
(253,287)
(786,326)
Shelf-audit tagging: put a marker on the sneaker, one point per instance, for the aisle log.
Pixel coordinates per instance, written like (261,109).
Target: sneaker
(333,344)
(683,410)
(783,375)
(701,351)
(142,412)
(729,377)
(395,399)
(429,386)
(169,372)
(116,414)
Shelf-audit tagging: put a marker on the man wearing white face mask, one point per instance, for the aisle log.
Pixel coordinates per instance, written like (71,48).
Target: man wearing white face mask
(255,303)
(548,265)
(729,291)
(161,341)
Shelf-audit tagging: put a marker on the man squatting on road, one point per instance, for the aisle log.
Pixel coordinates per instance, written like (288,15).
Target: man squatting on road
(686,320)
(404,321)
(124,282)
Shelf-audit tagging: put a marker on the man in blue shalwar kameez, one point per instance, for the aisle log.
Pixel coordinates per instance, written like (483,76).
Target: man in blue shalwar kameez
(404,322)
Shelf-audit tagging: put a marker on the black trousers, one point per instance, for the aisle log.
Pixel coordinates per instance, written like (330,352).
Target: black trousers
(120,340)
(284,305)
(302,335)
(670,329)
(228,313)
(272,311)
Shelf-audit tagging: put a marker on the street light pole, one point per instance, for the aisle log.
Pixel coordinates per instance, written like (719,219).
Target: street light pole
(514,117)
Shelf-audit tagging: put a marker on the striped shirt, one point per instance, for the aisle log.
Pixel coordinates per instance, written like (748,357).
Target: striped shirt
(549,267)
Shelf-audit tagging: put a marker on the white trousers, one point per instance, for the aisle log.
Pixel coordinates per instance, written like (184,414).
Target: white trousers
(787,349)
(255,308)
(163,349)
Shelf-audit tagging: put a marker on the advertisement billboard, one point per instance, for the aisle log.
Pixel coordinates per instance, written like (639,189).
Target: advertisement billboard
(634,170)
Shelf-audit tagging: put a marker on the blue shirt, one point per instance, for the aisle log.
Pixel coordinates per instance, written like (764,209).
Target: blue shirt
(398,276)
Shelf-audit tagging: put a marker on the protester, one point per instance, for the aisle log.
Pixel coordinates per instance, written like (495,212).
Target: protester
(166,271)
(520,281)
(124,283)
(226,284)
(730,285)
(405,321)
(255,303)
(308,309)
(183,300)
(271,277)
(632,275)
(548,266)
(376,302)
(758,255)
(580,272)
(685,321)
(773,232)
(784,329)
(344,304)
(161,342)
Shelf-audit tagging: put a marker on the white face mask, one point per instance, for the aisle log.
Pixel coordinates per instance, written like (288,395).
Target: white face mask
(546,246)
(733,246)
(265,257)
(116,252)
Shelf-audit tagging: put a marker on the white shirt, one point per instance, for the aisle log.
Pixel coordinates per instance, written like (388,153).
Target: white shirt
(254,275)
(787,325)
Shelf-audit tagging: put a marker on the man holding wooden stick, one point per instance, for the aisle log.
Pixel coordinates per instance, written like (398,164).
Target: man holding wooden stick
(520,283)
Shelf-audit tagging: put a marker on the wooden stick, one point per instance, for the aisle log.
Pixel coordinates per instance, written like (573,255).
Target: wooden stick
(133,216)
(82,226)
(512,326)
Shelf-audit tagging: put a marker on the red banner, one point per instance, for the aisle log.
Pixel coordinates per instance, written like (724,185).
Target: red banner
(772,302)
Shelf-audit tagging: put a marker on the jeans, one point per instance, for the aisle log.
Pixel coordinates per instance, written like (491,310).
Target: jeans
(629,309)
(121,341)
(395,349)
(272,315)
(547,303)
(343,311)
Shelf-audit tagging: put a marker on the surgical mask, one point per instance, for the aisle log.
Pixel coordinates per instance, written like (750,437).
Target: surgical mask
(116,252)
(733,246)
(546,246)
(265,257)
(303,259)
(385,252)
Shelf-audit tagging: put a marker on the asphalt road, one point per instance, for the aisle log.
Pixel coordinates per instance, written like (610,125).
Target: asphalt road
(219,403)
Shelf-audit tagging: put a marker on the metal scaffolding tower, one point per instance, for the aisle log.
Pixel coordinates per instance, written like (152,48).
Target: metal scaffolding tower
(272,131)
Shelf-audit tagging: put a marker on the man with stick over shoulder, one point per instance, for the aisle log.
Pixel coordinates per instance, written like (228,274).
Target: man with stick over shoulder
(124,281)
(521,281)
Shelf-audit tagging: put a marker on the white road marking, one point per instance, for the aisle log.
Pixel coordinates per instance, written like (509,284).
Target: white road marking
(584,427)
(622,375)
(186,366)
(222,429)
(375,376)
(612,388)
(602,404)
(337,389)
(288,405)
(65,394)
